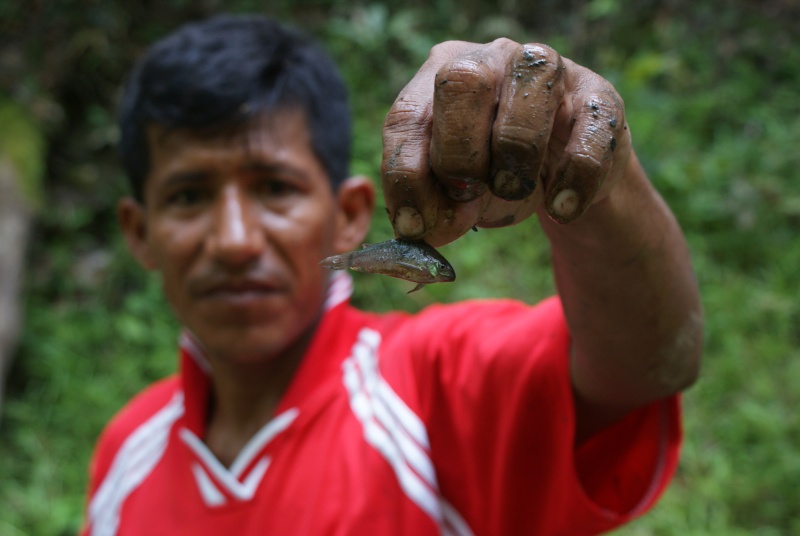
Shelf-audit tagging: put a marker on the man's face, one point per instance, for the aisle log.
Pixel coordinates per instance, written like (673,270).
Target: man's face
(237,225)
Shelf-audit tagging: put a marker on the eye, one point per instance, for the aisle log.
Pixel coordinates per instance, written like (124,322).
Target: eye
(189,196)
(273,188)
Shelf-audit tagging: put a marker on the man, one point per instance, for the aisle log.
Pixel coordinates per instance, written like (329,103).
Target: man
(294,413)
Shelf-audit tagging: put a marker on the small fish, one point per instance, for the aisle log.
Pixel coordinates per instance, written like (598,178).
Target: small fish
(411,260)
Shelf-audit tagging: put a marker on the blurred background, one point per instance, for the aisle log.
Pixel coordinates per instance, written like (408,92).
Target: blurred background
(713,99)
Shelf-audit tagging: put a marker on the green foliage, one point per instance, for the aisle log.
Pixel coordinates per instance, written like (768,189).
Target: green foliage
(711,97)
(22,144)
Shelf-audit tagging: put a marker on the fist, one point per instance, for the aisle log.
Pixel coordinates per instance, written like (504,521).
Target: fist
(486,135)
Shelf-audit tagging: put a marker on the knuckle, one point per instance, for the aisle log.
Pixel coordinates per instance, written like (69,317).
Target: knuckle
(443,48)
(406,114)
(503,42)
(614,96)
(440,52)
(467,75)
(540,49)
(520,139)
(604,99)
(536,54)
(602,116)
(404,159)
(406,118)
(596,144)
(440,49)
(587,164)
(538,67)
(597,103)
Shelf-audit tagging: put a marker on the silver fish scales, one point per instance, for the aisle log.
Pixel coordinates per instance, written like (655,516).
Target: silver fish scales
(412,260)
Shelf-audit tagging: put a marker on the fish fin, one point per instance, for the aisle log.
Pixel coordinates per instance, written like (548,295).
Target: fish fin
(365,245)
(419,286)
(475,228)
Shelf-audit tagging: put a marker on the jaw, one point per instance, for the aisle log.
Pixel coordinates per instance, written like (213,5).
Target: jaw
(264,331)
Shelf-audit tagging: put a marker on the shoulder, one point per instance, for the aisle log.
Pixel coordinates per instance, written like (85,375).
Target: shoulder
(139,410)
(480,347)
(143,406)
(485,326)
(488,312)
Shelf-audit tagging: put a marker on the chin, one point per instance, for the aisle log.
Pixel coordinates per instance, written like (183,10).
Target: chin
(250,336)
(255,344)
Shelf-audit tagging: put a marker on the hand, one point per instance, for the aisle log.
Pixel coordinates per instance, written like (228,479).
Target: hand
(486,135)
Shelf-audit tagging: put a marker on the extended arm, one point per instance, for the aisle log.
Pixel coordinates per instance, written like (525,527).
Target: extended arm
(488,135)
(631,300)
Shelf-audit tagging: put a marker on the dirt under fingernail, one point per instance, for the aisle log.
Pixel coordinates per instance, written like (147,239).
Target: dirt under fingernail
(510,186)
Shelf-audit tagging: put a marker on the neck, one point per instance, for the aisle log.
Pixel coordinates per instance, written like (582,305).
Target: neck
(246,395)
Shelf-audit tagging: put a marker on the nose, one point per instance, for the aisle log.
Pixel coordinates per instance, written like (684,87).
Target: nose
(235,237)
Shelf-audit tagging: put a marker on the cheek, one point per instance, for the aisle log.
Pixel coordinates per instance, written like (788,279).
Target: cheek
(312,241)
(167,254)
(308,250)
(172,252)
(314,227)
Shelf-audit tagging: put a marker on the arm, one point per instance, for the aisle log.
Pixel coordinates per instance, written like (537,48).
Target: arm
(489,135)
(631,301)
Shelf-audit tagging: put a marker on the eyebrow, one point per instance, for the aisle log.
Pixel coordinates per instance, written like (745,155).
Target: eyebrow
(180,178)
(199,176)
(273,169)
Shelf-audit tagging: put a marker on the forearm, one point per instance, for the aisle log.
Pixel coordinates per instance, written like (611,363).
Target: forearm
(630,296)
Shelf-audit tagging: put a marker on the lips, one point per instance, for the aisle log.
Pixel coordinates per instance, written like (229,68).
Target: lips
(236,290)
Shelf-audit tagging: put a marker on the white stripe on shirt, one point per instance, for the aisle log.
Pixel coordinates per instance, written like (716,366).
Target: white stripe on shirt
(396,432)
(134,461)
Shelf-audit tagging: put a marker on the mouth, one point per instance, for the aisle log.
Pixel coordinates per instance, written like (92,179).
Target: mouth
(239,291)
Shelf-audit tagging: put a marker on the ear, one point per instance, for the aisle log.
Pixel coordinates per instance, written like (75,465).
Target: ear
(356,200)
(132,220)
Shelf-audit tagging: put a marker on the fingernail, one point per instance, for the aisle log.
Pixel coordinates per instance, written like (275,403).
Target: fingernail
(511,187)
(565,205)
(408,223)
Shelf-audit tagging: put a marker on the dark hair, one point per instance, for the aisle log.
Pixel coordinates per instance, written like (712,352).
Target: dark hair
(226,70)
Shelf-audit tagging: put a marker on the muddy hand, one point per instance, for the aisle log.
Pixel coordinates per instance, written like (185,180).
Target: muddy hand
(486,135)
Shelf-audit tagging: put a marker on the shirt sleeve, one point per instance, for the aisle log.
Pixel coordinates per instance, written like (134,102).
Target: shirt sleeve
(493,385)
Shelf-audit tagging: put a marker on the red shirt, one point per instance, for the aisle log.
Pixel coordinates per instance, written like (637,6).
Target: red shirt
(456,420)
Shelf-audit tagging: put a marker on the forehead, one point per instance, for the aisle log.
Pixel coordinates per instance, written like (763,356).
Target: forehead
(280,137)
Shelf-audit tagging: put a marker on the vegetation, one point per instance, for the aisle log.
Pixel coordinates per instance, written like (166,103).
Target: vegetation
(711,94)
